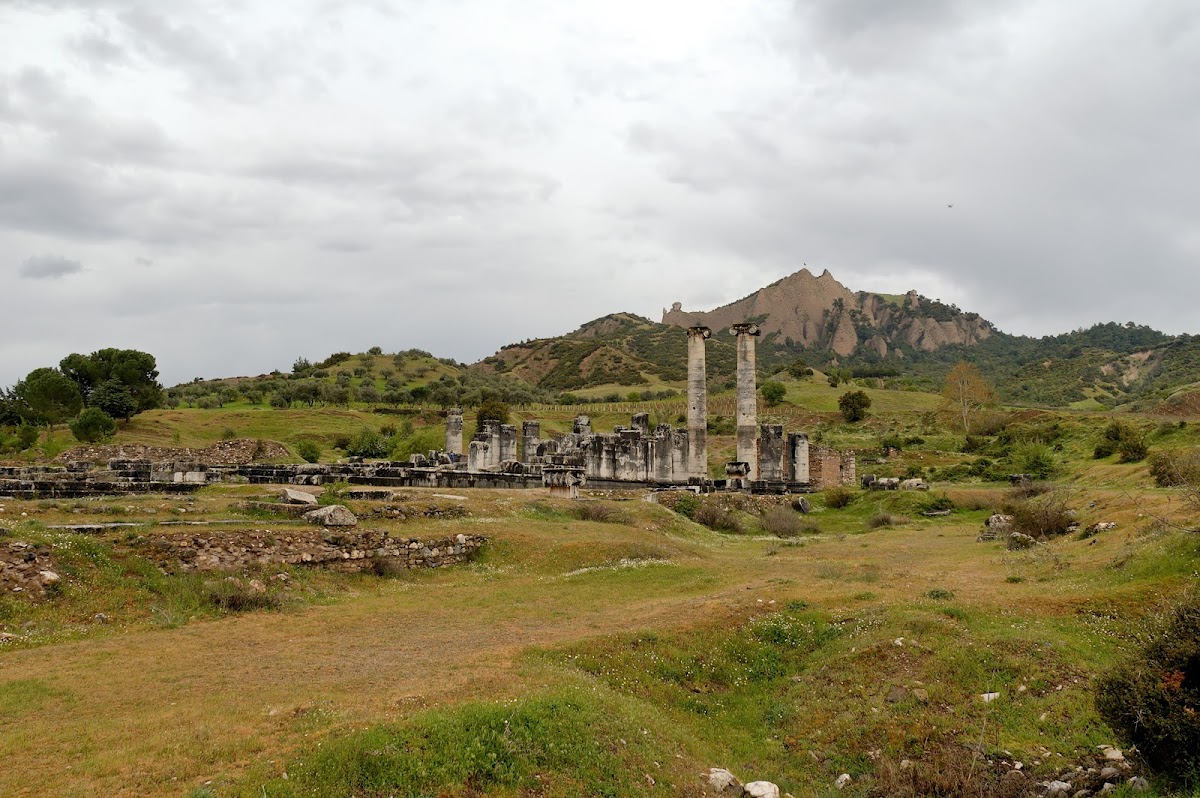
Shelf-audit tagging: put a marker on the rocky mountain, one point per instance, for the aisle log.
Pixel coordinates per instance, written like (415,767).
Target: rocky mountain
(806,312)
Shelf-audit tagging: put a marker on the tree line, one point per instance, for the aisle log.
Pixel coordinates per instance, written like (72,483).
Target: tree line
(87,391)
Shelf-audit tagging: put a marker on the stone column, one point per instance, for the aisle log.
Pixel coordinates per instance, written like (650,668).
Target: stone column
(641,423)
(798,457)
(747,397)
(770,453)
(508,443)
(697,415)
(531,433)
(454,424)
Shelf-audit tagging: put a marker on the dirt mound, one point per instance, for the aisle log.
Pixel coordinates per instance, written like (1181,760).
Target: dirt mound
(235,452)
(1184,404)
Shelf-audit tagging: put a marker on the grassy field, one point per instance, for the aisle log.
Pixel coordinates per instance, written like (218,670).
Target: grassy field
(582,658)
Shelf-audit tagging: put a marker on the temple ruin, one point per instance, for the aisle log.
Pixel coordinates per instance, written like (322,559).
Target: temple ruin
(769,459)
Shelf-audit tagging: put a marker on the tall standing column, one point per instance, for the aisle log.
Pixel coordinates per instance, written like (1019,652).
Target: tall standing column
(747,397)
(697,415)
(454,435)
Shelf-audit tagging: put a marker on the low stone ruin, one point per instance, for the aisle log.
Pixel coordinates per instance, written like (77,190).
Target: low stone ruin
(347,550)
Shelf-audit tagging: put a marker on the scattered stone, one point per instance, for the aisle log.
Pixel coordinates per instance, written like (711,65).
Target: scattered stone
(100,618)
(841,781)
(722,781)
(48,578)
(256,586)
(896,694)
(1019,540)
(761,789)
(1113,754)
(921,694)
(1108,787)
(8,637)
(1102,526)
(331,515)
(1082,794)
(914,484)
(1058,789)
(989,697)
(1138,784)
(1109,773)
(290,496)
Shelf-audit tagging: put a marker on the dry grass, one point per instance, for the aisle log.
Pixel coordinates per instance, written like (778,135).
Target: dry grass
(152,712)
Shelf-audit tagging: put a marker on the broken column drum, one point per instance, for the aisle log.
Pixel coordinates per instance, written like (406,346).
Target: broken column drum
(454,432)
(697,412)
(747,396)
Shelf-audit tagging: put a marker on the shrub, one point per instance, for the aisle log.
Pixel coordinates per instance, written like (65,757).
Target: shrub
(368,443)
(881,520)
(27,436)
(773,392)
(232,595)
(854,405)
(837,497)
(940,594)
(602,512)
(228,434)
(1044,516)
(715,517)
(1132,450)
(309,451)
(784,523)
(1034,458)
(1152,697)
(687,505)
(93,425)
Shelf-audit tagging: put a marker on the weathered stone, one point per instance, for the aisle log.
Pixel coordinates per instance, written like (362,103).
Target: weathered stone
(841,781)
(697,398)
(331,515)
(914,484)
(1019,540)
(747,396)
(297,497)
(1138,784)
(723,781)
(761,789)
(1109,773)
(1058,789)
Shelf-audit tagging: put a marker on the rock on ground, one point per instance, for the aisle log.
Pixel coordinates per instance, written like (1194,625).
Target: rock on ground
(332,515)
(290,496)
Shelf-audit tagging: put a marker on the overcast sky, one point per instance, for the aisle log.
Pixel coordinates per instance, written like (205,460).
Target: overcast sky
(232,184)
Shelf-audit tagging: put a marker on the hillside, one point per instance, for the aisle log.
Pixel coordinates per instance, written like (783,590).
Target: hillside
(908,341)
(620,349)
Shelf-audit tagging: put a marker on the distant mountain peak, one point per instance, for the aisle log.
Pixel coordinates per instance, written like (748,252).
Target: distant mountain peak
(810,311)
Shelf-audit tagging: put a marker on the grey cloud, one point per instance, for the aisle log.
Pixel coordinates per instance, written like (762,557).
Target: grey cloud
(49,267)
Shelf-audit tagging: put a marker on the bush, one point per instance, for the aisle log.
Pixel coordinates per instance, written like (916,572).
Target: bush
(1035,459)
(93,425)
(309,451)
(773,392)
(881,520)
(601,512)
(854,405)
(785,523)
(1132,450)
(368,443)
(1044,516)
(717,518)
(837,497)
(27,436)
(1152,697)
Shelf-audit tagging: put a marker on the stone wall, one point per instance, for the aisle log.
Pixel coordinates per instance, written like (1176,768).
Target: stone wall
(357,550)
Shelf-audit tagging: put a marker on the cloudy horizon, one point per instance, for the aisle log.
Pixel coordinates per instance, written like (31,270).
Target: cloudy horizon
(230,186)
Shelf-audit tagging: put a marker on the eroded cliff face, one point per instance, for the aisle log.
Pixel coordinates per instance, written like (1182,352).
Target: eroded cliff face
(820,311)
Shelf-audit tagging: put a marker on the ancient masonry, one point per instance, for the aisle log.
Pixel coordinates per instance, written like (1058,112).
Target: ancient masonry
(769,459)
